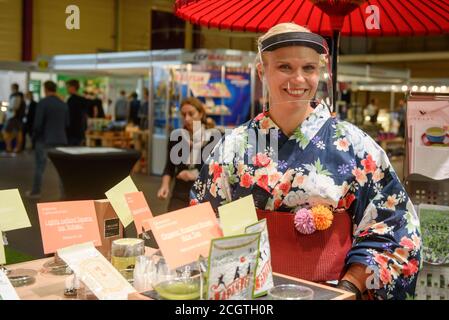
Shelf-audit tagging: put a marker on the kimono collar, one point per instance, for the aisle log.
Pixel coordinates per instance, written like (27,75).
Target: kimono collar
(305,131)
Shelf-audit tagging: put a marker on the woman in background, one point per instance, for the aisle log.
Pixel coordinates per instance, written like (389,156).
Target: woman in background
(180,167)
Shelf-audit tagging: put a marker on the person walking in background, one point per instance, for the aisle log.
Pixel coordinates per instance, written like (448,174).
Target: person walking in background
(143,111)
(372,110)
(90,110)
(401,117)
(121,109)
(134,107)
(78,108)
(97,106)
(94,105)
(49,129)
(30,114)
(14,120)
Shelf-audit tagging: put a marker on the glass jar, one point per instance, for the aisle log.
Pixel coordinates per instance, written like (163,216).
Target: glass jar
(124,253)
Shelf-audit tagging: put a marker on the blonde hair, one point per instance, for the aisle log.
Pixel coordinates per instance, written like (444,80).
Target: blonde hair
(278,29)
(275,30)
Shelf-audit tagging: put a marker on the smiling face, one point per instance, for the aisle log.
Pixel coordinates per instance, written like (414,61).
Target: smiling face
(292,75)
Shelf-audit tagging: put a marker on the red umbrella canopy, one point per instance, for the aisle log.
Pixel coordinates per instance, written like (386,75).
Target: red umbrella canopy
(352,17)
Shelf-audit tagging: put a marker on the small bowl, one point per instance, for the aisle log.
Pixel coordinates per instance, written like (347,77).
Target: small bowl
(179,289)
(290,292)
(20,281)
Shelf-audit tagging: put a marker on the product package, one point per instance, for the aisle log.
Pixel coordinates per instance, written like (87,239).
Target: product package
(264,272)
(109,225)
(232,265)
(95,272)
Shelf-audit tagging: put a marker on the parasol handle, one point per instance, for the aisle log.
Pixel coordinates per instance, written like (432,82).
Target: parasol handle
(335,46)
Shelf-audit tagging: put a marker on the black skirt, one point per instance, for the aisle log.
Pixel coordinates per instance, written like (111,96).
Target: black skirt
(13,125)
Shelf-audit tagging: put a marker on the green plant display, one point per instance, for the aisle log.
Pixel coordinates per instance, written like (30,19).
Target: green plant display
(435,233)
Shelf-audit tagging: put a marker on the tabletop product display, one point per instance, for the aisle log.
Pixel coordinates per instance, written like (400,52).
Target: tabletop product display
(51,286)
(320,291)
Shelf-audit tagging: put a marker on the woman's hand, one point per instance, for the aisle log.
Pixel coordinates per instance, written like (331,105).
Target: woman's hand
(188,175)
(163,192)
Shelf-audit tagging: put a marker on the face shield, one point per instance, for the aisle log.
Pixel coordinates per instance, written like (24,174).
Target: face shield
(295,70)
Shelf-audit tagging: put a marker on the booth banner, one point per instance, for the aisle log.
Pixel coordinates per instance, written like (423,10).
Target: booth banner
(97,273)
(93,84)
(193,77)
(210,90)
(264,271)
(7,291)
(232,265)
(428,132)
(238,83)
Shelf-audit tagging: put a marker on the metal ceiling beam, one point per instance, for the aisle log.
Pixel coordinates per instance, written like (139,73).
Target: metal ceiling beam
(394,57)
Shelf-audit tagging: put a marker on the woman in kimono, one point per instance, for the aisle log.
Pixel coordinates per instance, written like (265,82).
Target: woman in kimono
(296,155)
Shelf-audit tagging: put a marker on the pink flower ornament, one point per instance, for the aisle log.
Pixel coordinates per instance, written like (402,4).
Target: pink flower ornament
(304,222)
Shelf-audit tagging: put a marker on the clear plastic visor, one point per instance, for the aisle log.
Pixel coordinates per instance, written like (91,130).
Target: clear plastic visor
(297,76)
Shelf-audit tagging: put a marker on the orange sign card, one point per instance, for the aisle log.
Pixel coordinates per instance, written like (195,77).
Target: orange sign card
(183,235)
(140,210)
(67,223)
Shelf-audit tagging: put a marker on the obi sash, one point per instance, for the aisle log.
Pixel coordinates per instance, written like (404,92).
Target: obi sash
(317,257)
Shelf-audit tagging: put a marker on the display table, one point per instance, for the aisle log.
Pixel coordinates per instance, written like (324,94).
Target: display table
(51,287)
(320,291)
(46,287)
(87,173)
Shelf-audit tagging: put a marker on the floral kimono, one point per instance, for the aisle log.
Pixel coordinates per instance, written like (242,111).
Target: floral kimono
(330,162)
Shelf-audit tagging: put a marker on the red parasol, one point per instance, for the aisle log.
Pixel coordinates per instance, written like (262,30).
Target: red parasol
(326,17)
(395,17)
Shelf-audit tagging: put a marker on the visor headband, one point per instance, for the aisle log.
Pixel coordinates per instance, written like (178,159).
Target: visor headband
(288,39)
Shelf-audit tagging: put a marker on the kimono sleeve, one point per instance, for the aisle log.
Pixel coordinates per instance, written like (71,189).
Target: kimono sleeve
(386,228)
(213,182)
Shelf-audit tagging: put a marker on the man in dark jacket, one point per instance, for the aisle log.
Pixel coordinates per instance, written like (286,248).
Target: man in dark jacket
(134,107)
(78,114)
(30,114)
(50,125)
(95,108)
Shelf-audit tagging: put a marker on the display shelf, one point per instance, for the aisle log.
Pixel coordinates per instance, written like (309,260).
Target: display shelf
(218,113)
(210,90)
(433,280)
(433,283)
